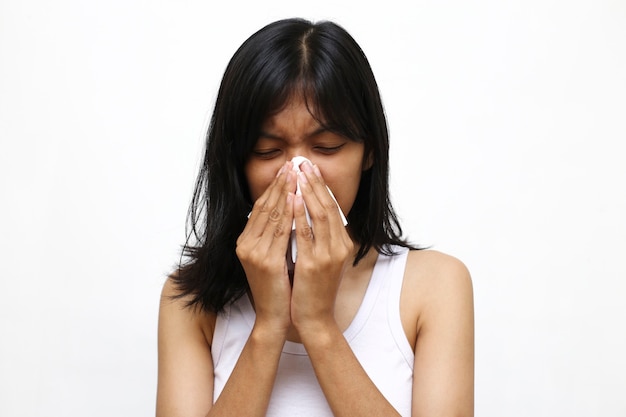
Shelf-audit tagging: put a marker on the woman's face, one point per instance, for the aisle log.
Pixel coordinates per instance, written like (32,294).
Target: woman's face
(294,132)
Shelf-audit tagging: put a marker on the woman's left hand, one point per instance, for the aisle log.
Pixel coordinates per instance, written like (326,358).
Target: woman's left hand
(325,249)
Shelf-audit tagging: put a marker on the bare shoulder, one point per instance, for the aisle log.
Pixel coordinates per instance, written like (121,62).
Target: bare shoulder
(185,374)
(436,270)
(438,315)
(175,311)
(435,285)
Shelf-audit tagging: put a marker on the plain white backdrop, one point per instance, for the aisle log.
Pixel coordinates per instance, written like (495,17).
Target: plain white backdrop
(508,121)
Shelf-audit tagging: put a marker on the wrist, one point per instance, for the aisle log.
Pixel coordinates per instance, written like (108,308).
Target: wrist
(319,332)
(269,333)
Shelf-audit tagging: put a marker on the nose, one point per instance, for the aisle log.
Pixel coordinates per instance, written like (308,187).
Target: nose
(297,156)
(298,160)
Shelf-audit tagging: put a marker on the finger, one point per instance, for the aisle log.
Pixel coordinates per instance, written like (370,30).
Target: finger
(304,232)
(316,211)
(322,207)
(278,227)
(261,204)
(263,208)
(336,215)
(282,232)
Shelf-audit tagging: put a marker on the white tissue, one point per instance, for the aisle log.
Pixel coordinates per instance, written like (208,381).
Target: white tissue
(297,161)
(292,249)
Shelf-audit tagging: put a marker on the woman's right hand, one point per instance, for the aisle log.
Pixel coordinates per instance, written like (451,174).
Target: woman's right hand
(261,249)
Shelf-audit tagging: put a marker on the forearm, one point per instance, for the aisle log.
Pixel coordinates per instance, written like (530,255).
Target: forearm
(347,387)
(248,390)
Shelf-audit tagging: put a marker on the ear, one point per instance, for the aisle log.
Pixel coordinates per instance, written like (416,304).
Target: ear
(368,161)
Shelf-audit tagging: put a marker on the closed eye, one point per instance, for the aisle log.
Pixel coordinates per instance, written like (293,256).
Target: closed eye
(329,150)
(266,153)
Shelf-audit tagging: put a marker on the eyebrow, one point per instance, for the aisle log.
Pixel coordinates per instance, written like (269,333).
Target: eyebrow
(311,134)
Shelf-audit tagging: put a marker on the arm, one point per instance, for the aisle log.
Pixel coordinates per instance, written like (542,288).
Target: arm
(185,381)
(443,381)
(185,378)
(436,308)
(437,301)
(324,253)
(185,387)
(347,387)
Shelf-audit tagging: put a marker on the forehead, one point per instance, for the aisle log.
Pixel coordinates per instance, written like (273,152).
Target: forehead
(294,117)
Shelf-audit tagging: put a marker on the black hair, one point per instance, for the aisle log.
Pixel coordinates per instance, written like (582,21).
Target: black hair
(326,65)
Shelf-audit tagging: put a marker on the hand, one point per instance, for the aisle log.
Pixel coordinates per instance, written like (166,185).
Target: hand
(324,252)
(261,249)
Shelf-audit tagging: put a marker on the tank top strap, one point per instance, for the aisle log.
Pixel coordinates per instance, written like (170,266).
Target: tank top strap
(394,283)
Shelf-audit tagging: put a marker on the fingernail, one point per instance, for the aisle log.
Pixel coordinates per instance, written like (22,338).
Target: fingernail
(306,166)
(302,177)
(281,170)
(317,171)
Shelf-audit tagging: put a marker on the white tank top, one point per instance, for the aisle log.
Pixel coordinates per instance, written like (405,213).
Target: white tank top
(375,335)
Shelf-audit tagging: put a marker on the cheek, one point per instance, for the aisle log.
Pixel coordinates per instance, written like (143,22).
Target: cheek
(344,184)
(259,177)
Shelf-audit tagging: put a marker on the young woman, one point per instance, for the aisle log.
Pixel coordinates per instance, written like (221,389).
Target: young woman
(363,324)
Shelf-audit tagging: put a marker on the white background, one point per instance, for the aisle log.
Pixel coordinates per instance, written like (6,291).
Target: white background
(508,120)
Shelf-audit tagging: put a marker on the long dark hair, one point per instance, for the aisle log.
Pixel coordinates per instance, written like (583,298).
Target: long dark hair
(324,63)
